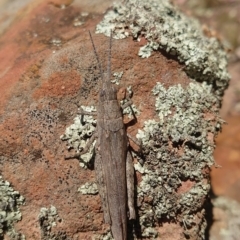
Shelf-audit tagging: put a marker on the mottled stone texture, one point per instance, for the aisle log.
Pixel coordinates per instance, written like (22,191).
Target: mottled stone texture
(47,68)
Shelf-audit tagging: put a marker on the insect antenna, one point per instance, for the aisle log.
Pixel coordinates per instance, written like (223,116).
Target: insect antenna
(95,52)
(109,58)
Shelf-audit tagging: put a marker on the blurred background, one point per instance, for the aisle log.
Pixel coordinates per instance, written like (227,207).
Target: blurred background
(221,19)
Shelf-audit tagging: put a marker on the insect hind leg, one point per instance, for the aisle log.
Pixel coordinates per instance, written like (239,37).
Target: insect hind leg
(130,186)
(102,189)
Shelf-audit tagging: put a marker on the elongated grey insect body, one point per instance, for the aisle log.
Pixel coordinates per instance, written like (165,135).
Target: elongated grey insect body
(113,161)
(112,146)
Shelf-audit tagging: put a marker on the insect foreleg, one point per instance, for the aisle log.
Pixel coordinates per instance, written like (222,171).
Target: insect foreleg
(127,104)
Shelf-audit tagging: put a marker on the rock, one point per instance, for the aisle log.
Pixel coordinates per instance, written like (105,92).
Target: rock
(48,67)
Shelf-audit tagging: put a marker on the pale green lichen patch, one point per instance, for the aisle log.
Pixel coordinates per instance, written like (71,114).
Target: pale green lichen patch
(165,27)
(117,77)
(178,146)
(150,232)
(78,134)
(88,188)
(10,200)
(48,219)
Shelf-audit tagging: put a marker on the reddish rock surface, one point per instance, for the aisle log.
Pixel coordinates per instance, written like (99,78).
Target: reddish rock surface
(41,56)
(37,104)
(226,180)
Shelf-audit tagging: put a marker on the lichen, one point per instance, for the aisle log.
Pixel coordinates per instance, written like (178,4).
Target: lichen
(10,200)
(88,188)
(78,134)
(80,19)
(48,218)
(178,147)
(165,27)
(117,77)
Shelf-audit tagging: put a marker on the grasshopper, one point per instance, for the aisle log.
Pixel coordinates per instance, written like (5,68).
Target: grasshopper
(113,161)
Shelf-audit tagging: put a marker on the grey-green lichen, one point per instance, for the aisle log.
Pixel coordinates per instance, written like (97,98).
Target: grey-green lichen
(78,134)
(88,188)
(178,147)
(80,19)
(10,200)
(165,27)
(117,77)
(48,219)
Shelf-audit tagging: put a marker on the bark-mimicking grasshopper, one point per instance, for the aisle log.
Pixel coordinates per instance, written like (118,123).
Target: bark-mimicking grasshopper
(113,161)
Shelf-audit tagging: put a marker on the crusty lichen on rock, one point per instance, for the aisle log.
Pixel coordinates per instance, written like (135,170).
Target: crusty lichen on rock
(88,189)
(178,146)
(10,200)
(79,133)
(165,27)
(48,218)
